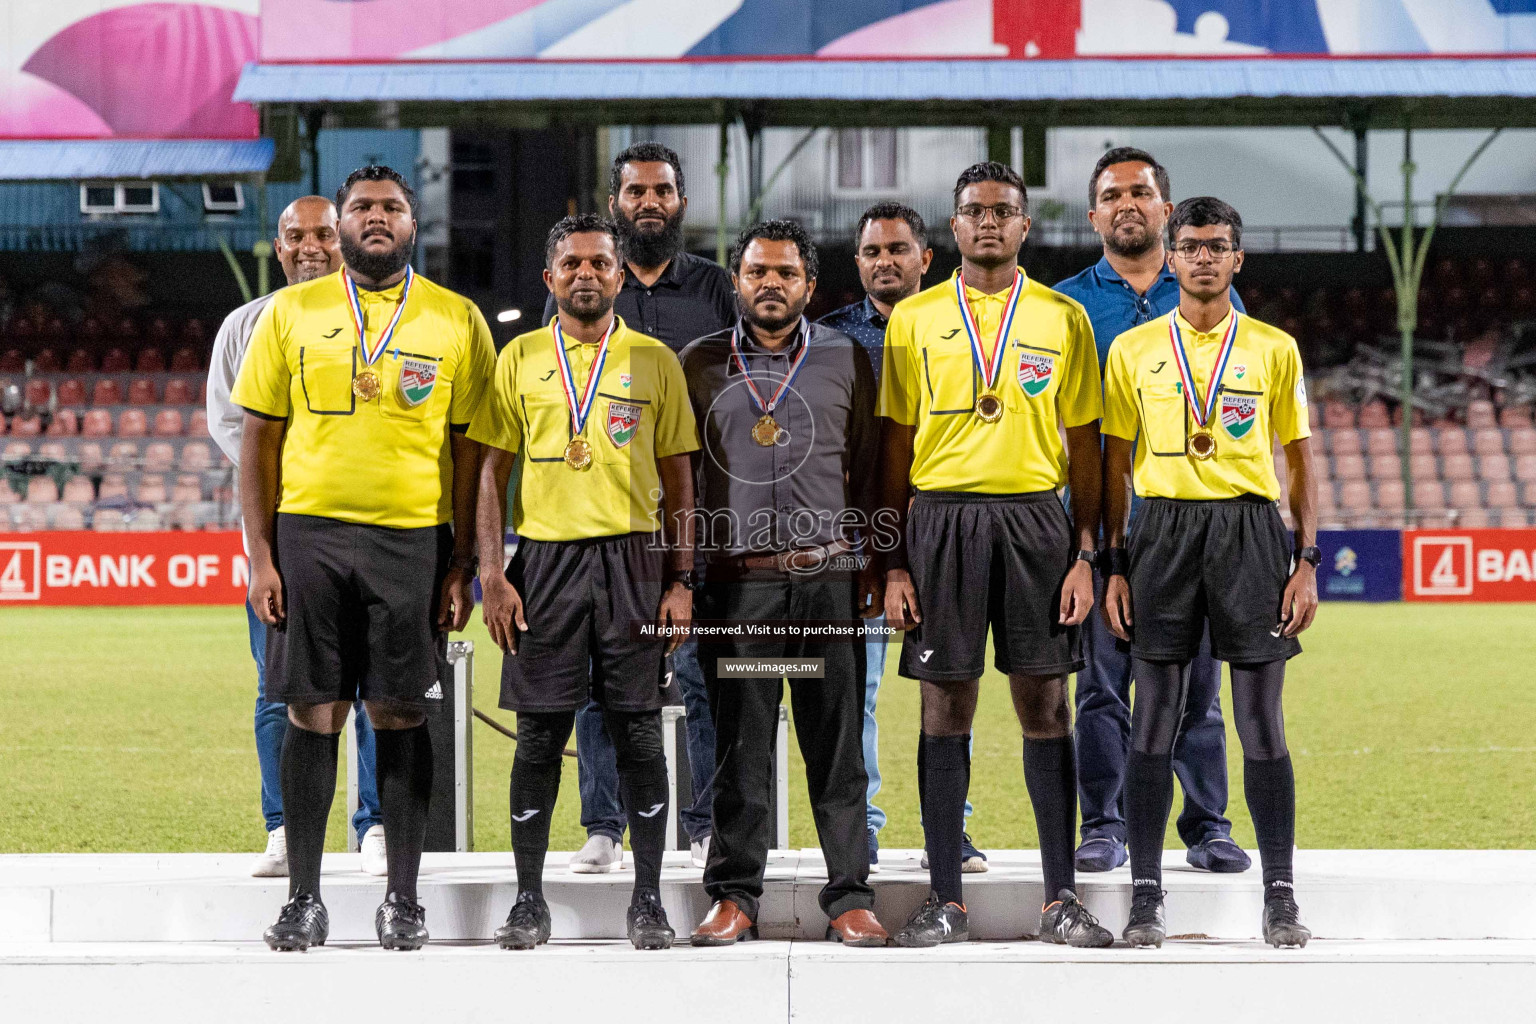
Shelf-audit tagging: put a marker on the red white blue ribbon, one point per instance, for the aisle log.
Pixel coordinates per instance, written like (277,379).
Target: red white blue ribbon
(767,407)
(990,364)
(1202,410)
(354,305)
(582,408)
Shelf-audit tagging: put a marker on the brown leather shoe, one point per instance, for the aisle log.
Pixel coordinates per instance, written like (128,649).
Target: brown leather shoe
(725,924)
(856,928)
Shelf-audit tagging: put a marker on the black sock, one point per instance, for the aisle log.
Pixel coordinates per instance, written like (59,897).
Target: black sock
(535,785)
(308,774)
(644,788)
(1270,787)
(946,775)
(1148,800)
(1050,775)
(405,786)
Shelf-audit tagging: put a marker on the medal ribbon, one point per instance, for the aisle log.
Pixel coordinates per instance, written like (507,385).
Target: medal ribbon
(989,365)
(581,409)
(355,307)
(1202,409)
(767,408)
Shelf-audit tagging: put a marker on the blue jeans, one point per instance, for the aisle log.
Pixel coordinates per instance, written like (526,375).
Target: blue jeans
(597,771)
(1104,738)
(874,670)
(272,725)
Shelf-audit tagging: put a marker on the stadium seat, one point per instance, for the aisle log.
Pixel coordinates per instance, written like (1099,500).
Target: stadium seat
(1474,518)
(1466,494)
(186,360)
(1428,494)
(113,485)
(53,451)
(189,488)
(1451,441)
(197,426)
(168,423)
(1493,468)
(1525,468)
(132,423)
(149,360)
(1528,494)
(91,458)
(150,490)
(123,456)
(1355,496)
(37,394)
(15,450)
(1453,467)
(13,361)
(145,521)
(67,517)
(80,361)
(97,423)
(1381,442)
(30,518)
(158,457)
(1389,495)
(79,490)
(45,360)
(1503,495)
(1337,415)
(202,391)
(107,392)
(1480,414)
(142,391)
(1314,416)
(8,495)
(64,424)
(71,391)
(1374,414)
(41,490)
(1342,442)
(1522,441)
(1515,416)
(1420,440)
(196,457)
(27,426)
(115,361)
(1349,467)
(178,391)
(107,520)
(1488,441)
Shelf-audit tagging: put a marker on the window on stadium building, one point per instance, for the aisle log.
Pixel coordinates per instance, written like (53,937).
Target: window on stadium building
(866,159)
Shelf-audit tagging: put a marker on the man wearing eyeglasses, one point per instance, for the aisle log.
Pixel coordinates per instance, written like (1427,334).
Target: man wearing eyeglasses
(981,375)
(1128,205)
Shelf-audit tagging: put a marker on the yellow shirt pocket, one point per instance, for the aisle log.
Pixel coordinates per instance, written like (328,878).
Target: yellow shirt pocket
(615,429)
(325,377)
(1036,371)
(950,380)
(1162,418)
(411,384)
(1239,436)
(547,426)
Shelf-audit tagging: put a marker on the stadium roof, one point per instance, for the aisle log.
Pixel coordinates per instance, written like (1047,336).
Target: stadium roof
(1459,92)
(85,159)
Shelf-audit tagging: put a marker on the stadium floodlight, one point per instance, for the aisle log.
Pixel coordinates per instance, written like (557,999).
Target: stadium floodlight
(506,316)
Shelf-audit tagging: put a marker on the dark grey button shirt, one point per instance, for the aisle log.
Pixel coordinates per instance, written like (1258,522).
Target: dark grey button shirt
(692,297)
(820,485)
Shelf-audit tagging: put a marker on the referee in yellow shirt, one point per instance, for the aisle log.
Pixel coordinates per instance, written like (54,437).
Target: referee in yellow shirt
(1197,398)
(600,417)
(981,375)
(358,388)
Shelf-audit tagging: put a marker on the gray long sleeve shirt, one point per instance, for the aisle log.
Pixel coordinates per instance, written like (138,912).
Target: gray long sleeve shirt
(820,484)
(225,418)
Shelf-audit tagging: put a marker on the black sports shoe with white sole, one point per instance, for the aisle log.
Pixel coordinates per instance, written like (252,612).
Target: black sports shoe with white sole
(303,922)
(401,923)
(647,922)
(1148,926)
(1067,922)
(1282,920)
(935,923)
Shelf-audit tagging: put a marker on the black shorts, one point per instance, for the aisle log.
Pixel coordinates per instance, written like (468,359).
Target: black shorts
(1225,562)
(980,560)
(362,605)
(581,599)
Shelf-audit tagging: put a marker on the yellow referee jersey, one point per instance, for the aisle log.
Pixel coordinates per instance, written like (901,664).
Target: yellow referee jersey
(1261,396)
(641,414)
(382,462)
(1049,379)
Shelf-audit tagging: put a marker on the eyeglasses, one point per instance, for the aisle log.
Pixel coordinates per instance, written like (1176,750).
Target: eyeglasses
(978,213)
(1191,250)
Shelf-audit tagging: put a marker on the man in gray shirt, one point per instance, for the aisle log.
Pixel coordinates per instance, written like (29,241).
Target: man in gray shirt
(786,503)
(307,246)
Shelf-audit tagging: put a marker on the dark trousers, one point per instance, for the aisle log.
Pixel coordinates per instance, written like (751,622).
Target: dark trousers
(1104,738)
(829,721)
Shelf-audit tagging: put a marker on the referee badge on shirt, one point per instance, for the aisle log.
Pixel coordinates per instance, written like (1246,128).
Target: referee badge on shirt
(1238,413)
(623,421)
(1035,369)
(417,379)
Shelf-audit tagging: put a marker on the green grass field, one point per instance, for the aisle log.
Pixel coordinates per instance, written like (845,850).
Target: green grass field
(129,729)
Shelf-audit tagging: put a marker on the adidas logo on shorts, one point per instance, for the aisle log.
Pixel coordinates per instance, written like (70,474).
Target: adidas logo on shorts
(436,693)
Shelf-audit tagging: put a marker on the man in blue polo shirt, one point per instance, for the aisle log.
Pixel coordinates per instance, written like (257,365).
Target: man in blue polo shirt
(1129,205)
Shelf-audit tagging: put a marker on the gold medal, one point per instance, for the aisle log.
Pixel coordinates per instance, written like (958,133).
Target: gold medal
(1200,446)
(989,408)
(766,431)
(366,385)
(578,454)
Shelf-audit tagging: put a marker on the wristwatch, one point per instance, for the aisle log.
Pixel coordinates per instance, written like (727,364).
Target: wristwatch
(1084,555)
(470,565)
(1313,554)
(688,578)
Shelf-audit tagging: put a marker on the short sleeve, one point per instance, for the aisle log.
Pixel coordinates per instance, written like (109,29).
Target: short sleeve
(263,384)
(495,420)
(1120,416)
(676,430)
(476,365)
(1079,399)
(1288,394)
(900,396)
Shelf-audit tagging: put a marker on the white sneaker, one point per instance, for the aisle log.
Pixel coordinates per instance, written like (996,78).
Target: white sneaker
(273,863)
(375,857)
(699,851)
(599,856)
